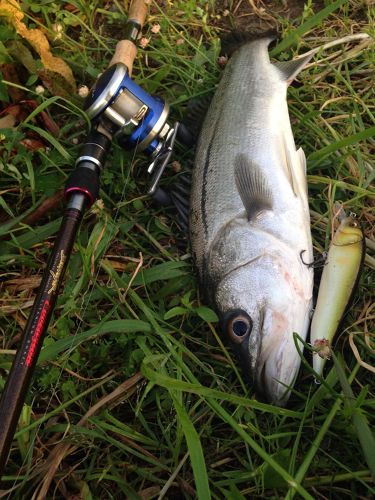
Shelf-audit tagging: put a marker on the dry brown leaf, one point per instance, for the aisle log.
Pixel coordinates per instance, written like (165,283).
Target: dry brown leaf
(12,10)
(149,492)
(63,449)
(7,121)
(9,72)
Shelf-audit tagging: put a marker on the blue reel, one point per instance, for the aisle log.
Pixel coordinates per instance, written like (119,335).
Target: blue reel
(137,119)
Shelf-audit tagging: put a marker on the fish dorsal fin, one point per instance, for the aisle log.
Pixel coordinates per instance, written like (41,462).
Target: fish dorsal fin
(300,176)
(252,186)
(290,166)
(295,166)
(301,160)
(290,69)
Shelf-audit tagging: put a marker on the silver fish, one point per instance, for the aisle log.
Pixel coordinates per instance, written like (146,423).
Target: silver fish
(249,218)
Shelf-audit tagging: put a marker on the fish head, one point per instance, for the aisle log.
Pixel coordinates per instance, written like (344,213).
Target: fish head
(260,311)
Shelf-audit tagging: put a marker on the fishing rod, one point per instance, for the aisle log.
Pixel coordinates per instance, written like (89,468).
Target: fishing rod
(118,108)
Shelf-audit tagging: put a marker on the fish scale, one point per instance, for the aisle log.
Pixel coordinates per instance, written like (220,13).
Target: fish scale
(249,217)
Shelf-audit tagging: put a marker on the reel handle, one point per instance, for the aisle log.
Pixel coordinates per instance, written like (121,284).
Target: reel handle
(126,50)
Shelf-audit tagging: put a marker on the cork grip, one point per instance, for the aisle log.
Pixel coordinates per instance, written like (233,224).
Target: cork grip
(126,50)
(138,11)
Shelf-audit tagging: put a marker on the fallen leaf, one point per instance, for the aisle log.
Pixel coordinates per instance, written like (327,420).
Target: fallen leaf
(33,144)
(54,82)
(7,121)
(38,40)
(47,122)
(15,114)
(64,448)
(10,73)
(22,110)
(13,110)
(51,203)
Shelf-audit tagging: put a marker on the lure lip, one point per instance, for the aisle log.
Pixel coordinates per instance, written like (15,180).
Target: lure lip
(352,231)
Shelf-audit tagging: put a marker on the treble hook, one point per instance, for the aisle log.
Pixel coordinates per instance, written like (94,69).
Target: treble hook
(316,263)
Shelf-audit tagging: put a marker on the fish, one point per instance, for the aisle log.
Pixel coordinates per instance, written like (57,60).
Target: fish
(338,283)
(249,218)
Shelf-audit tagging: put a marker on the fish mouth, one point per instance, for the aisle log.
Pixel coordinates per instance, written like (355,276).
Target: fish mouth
(270,383)
(278,361)
(270,378)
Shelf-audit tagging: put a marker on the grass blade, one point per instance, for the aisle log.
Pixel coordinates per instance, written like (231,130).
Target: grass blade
(315,20)
(49,137)
(168,382)
(317,156)
(195,450)
(50,352)
(364,434)
(316,443)
(259,450)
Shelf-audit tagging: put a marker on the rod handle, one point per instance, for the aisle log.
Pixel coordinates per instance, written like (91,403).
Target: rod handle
(126,50)
(138,11)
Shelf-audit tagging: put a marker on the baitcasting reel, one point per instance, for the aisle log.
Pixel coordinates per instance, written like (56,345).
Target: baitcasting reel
(135,118)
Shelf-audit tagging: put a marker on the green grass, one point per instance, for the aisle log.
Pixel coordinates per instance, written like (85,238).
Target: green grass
(135,394)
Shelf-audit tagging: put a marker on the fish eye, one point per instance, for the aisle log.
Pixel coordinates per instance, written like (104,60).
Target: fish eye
(239,327)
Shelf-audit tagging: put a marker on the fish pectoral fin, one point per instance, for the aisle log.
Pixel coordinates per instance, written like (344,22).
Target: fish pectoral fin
(290,69)
(252,185)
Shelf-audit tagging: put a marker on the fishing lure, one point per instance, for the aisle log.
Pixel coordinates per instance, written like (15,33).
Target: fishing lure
(337,286)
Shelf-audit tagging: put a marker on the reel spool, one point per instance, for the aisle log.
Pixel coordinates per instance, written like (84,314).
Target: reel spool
(134,117)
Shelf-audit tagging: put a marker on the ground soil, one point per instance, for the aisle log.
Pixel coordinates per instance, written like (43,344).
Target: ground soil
(256,15)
